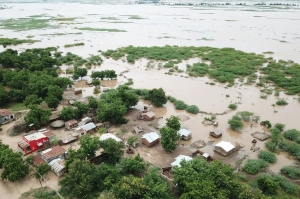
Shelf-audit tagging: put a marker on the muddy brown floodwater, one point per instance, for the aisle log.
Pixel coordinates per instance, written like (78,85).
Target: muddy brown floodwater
(251,30)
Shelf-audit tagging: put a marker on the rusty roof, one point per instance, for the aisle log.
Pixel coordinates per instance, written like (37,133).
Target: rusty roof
(52,152)
(71,122)
(48,134)
(38,160)
(4,112)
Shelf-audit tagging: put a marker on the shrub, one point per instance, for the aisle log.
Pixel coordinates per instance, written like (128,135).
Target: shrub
(281,102)
(267,156)
(291,172)
(267,185)
(293,148)
(279,126)
(172,99)
(180,105)
(192,109)
(253,166)
(235,123)
(232,106)
(242,177)
(271,146)
(291,134)
(286,186)
(132,139)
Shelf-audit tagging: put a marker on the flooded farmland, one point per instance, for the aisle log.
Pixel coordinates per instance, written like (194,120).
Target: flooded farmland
(102,27)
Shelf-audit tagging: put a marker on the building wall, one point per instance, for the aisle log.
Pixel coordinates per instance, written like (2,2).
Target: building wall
(33,143)
(144,141)
(6,119)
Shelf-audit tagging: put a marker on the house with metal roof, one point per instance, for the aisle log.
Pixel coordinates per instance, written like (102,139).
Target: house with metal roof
(180,158)
(185,134)
(150,139)
(106,136)
(6,116)
(58,166)
(82,130)
(52,153)
(71,124)
(225,148)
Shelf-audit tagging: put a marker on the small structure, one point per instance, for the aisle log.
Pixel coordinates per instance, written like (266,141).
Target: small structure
(6,116)
(85,121)
(58,166)
(179,158)
(68,138)
(48,134)
(109,135)
(206,156)
(82,130)
(57,124)
(146,116)
(198,144)
(52,153)
(150,139)
(216,133)
(138,129)
(224,148)
(71,124)
(35,141)
(260,136)
(77,92)
(185,134)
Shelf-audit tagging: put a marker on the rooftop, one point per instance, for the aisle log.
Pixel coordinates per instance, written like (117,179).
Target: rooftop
(227,146)
(149,114)
(88,126)
(52,152)
(34,136)
(150,137)
(4,112)
(109,135)
(217,131)
(184,132)
(179,158)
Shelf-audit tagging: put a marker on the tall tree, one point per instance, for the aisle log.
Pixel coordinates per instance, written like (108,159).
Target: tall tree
(157,96)
(80,110)
(113,149)
(52,102)
(40,171)
(89,145)
(32,100)
(67,113)
(93,102)
(81,72)
(96,82)
(37,116)
(169,137)
(113,112)
(55,91)
(173,122)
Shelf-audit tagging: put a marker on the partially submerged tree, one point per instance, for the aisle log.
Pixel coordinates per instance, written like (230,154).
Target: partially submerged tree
(235,123)
(173,122)
(157,96)
(113,112)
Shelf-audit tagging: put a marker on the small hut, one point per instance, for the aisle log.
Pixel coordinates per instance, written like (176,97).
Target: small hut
(58,166)
(71,124)
(138,129)
(6,116)
(150,139)
(77,92)
(216,133)
(85,121)
(224,148)
(57,124)
(185,134)
(180,158)
(146,116)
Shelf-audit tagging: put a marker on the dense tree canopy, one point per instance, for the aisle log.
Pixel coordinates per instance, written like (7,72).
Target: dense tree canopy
(113,112)
(169,138)
(157,96)
(111,74)
(113,149)
(37,116)
(89,145)
(173,122)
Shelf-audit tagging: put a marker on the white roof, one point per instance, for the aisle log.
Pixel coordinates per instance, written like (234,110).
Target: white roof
(227,146)
(150,137)
(89,126)
(206,155)
(179,159)
(109,135)
(184,132)
(58,166)
(35,136)
(52,162)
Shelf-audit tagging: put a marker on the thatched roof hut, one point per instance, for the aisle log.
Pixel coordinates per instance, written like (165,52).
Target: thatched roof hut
(57,124)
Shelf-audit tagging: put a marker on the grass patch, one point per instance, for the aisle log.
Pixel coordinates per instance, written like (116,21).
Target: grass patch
(101,29)
(206,39)
(254,166)
(23,24)
(291,172)
(60,34)
(14,41)
(267,156)
(41,193)
(64,19)
(135,17)
(15,106)
(72,45)
(282,102)
(232,106)
(269,52)
(110,18)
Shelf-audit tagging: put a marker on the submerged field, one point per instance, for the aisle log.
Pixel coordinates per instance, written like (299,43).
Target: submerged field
(210,58)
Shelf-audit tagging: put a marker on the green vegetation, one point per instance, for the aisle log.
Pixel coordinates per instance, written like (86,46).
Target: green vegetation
(169,134)
(135,17)
(157,97)
(64,19)
(291,172)
(110,18)
(271,146)
(72,45)
(235,123)
(41,193)
(101,29)
(37,116)
(232,106)
(132,139)
(111,74)
(61,34)
(267,156)
(254,166)
(292,134)
(14,41)
(23,24)
(180,105)
(15,106)
(282,102)
(192,109)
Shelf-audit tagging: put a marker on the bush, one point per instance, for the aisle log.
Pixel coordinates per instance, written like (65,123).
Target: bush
(271,146)
(279,126)
(235,123)
(192,109)
(180,105)
(286,186)
(172,99)
(291,172)
(131,140)
(267,156)
(232,106)
(267,185)
(253,166)
(281,102)
(291,134)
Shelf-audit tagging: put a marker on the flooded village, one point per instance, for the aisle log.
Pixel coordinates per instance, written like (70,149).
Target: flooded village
(111,33)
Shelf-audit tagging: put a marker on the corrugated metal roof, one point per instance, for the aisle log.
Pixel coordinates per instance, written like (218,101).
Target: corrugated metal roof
(34,136)
(150,137)
(179,158)
(109,135)
(89,126)
(52,152)
(184,132)
(227,146)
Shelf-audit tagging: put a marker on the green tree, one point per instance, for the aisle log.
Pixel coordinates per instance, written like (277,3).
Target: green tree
(96,82)
(81,180)
(52,102)
(80,110)
(131,165)
(157,96)
(80,72)
(67,113)
(267,185)
(55,91)
(130,188)
(169,137)
(113,149)
(128,97)
(12,164)
(93,102)
(89,145)
(4,97)
(32,100)
(235,123)
(113,112)
(41,170)
(173,122)
(37,116)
